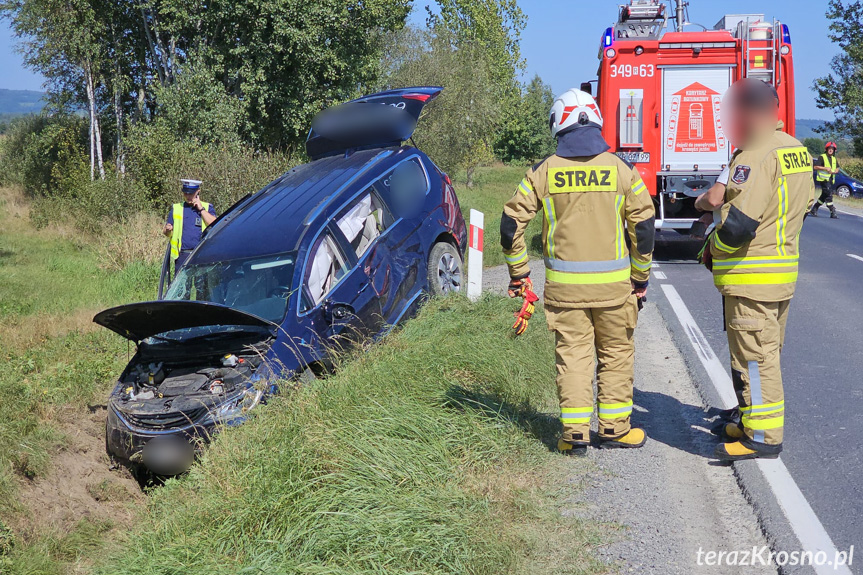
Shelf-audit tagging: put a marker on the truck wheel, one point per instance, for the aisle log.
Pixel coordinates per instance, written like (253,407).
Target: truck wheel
(843,192)
(445,269)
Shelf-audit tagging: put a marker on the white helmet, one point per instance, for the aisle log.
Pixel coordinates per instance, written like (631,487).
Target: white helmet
(571,108)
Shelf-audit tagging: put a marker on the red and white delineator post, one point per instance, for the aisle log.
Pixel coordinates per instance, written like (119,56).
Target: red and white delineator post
(474,255)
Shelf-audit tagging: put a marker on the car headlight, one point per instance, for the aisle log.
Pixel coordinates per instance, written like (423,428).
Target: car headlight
(234,411)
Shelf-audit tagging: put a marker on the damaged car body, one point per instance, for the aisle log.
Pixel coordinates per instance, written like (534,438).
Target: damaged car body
(337,250)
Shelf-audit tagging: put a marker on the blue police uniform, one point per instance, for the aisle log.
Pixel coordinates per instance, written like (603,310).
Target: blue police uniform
(191,233)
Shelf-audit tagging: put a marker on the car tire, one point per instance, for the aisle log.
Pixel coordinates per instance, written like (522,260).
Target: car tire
(445,269)
(843,192)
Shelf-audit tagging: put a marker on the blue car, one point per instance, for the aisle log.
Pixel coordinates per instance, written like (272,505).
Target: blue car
(335,251)
(845,186)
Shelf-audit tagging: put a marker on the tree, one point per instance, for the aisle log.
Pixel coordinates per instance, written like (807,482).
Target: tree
(842,89)
(815,146)
(471,49)
(62,40)
(524,134)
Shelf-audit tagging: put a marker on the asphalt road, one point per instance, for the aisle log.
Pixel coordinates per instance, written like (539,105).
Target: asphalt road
(822,367)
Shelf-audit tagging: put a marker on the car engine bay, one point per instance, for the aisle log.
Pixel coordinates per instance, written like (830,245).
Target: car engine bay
(149,394)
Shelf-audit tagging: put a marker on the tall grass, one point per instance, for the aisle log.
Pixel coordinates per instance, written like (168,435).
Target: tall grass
(53,364)
(420,456)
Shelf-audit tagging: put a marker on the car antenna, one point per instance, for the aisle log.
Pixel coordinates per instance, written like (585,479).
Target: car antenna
(414,144)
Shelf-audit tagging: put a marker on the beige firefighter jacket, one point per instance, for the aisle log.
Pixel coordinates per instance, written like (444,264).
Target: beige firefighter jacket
(755,246)
(598,229)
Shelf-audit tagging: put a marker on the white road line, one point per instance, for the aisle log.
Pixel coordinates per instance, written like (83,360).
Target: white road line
(856,257)
(660,275)
(855,214)
(808,529)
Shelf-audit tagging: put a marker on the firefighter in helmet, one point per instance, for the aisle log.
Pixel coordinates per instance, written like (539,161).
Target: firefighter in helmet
(598,236)
(826,168)
(753,254)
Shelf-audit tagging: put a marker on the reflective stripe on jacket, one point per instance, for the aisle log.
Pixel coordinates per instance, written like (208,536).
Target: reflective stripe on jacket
(177,233)
(756,244)
(598,229)
(827,161)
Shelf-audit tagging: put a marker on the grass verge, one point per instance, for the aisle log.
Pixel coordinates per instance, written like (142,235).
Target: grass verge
(55,371)
(430,453)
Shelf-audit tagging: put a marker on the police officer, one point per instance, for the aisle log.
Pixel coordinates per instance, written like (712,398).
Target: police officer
(754,261)
(187,221)
(598,236)
(826,168)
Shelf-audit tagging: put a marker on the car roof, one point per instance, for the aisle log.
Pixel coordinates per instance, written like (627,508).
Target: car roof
(274,219)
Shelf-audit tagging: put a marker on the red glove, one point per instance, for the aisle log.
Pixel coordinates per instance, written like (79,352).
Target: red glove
(518,286)
(526,312)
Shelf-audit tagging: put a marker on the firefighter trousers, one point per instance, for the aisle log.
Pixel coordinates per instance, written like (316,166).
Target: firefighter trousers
(756,333)
(826,194)
(594,341)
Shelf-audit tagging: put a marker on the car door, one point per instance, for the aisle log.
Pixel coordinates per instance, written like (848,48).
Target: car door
(398,264)
(336,297)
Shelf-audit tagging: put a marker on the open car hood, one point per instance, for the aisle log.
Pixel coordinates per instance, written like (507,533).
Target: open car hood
(375,121)
(137,321)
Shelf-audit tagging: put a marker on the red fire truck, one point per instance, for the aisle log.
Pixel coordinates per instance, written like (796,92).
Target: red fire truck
(660,92)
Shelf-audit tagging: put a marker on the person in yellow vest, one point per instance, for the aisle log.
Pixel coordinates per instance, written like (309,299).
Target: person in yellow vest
(598,237)
(187,222)
(826,168)
(754,255)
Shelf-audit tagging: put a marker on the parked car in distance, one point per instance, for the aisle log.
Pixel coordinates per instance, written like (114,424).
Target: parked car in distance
(845,186)
(339,249)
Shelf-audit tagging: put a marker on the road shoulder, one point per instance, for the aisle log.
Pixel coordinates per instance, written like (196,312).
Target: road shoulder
(671,500)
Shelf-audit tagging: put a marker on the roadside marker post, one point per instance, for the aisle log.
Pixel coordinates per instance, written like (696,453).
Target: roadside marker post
(474,255)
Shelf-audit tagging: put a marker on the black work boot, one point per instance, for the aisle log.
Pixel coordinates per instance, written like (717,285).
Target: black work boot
(833,215)
(814,211)
(573,448)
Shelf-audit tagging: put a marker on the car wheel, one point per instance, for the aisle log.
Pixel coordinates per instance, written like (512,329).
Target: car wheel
(843,192)
(445,269)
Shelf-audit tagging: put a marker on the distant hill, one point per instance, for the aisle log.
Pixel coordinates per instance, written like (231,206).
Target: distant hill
(17,102)
(806,128)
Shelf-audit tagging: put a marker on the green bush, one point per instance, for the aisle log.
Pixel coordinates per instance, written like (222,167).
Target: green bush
(229,171)
(853,166)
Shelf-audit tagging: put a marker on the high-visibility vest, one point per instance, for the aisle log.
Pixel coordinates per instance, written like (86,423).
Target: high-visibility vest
(177,235)
(829,162)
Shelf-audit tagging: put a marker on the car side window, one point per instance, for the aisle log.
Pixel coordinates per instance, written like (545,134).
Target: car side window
(405,188)
(364,220)
(326,267)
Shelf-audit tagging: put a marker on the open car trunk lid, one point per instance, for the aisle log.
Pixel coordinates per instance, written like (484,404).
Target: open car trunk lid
(138,321)
(379,120)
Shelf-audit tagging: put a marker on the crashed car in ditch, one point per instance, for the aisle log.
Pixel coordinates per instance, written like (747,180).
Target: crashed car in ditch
(337,250)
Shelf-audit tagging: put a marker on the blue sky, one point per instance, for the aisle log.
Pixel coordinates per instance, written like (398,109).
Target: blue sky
(561,41)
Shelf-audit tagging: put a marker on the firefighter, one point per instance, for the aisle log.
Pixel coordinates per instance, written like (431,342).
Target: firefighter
(826,168)
(754,253)
(598,235)
(187,222)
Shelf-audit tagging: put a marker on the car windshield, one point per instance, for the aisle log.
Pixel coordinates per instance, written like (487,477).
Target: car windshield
(260,286)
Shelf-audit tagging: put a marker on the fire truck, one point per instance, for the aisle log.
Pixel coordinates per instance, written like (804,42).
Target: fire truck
(660,93)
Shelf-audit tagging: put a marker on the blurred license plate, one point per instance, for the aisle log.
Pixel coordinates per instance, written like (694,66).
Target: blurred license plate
(635,157)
